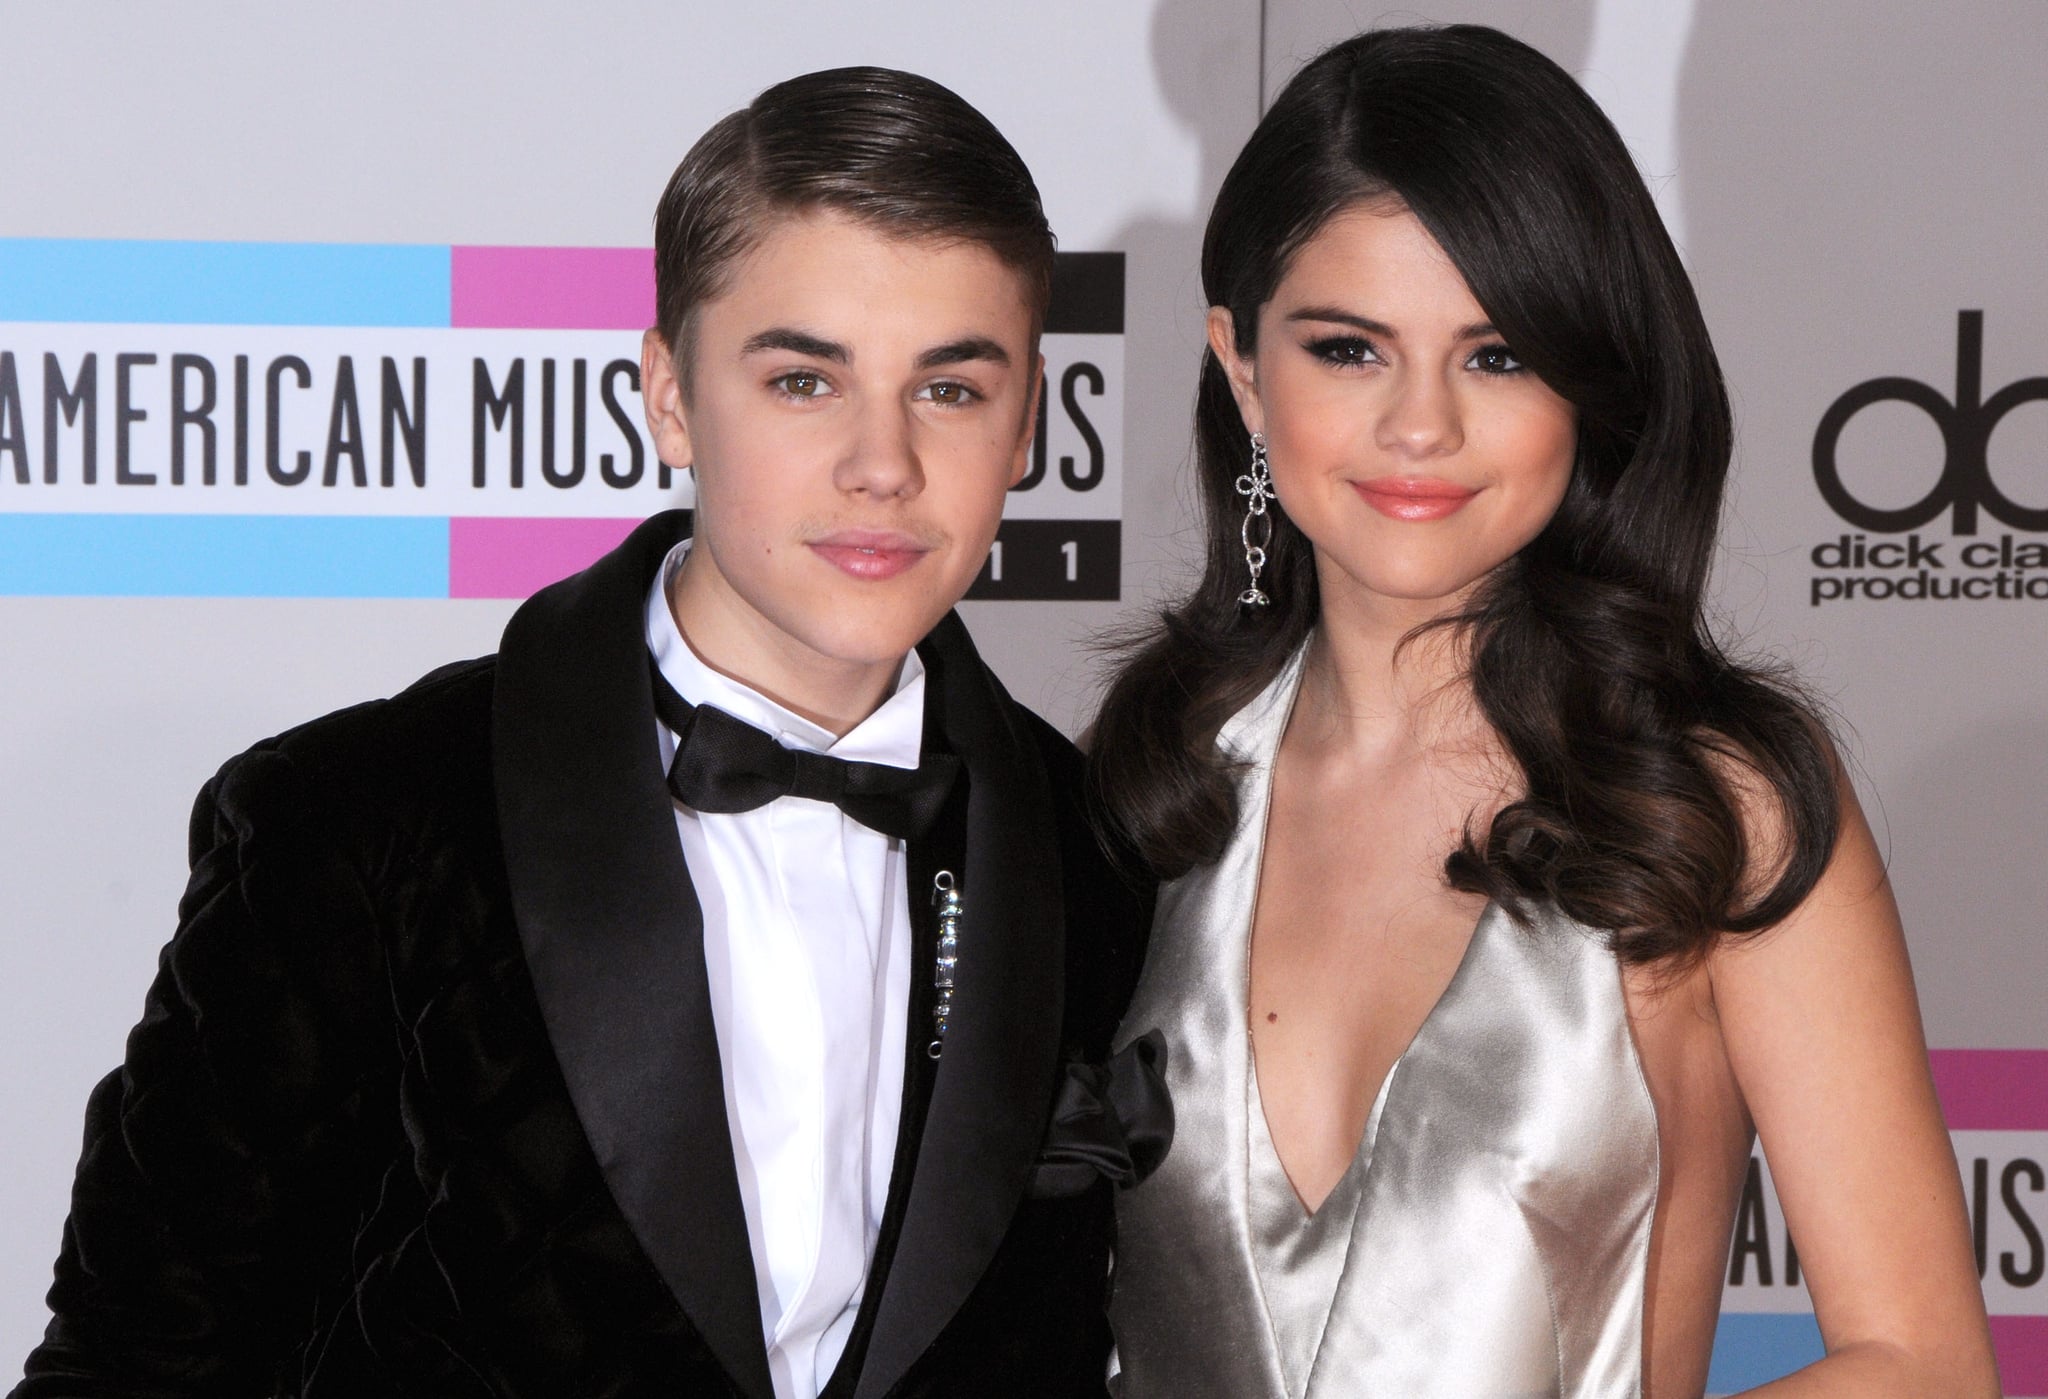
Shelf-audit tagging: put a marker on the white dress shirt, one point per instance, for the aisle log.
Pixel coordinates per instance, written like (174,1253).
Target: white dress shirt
(807,943)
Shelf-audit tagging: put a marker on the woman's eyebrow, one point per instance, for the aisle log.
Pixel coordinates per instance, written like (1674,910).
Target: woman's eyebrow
(1331,314)
(1338,317)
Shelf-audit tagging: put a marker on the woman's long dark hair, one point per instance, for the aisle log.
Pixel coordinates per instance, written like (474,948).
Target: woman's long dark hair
(1642,745)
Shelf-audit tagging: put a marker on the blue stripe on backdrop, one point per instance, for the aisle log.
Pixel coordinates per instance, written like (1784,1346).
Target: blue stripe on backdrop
(222,556)
(146,282)
(1753,1348)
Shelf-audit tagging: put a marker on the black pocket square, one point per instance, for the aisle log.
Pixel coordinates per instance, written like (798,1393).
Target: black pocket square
(1111,1121)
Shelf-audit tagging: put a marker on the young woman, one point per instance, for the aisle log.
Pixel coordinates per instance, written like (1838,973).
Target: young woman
(1506,907)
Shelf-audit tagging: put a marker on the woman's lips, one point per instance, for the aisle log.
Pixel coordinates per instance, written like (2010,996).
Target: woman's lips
(1414,497)
(870,554)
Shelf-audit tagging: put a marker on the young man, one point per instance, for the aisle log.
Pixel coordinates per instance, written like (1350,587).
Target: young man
(568,1025)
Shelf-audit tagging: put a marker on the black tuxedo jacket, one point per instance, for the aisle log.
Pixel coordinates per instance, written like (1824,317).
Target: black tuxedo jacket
(426,1097)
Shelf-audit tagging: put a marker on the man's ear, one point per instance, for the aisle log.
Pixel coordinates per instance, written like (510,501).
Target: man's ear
(1022,461)
(661,393)
(1244,383)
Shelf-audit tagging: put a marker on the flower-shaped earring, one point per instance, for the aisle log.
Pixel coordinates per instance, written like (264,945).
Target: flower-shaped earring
(1256,486)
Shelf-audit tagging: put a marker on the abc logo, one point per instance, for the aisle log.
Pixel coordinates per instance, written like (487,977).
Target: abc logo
(1965,485)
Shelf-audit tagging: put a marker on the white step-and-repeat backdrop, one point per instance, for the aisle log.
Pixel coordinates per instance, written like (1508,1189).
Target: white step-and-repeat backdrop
(317,343)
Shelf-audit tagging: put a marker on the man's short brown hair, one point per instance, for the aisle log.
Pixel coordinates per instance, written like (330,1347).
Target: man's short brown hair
(889,149)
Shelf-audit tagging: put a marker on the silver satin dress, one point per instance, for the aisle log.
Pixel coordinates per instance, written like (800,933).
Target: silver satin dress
(1492,1235)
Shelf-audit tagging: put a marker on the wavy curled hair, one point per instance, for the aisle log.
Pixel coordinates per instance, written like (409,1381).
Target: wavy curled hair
(1642,745)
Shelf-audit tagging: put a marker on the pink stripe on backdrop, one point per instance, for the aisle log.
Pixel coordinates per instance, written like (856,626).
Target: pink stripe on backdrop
(517,558)
(551,288)
(2022,1346)
(1992,1090)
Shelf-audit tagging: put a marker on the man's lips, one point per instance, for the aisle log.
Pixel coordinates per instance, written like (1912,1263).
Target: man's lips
(1414,497)
(870,554)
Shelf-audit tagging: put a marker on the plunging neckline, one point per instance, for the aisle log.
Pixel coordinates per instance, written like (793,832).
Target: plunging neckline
(1299,1260)
(1360,1160)
(1255,1097)
(1299,1255)
(1259,1143)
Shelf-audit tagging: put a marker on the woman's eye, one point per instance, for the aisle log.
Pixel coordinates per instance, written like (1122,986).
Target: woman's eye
(800,383)
(1344,349)
(1495,359)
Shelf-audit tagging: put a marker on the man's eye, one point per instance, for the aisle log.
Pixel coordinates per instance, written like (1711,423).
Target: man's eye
(800,384)
(950,394)
(1495,359)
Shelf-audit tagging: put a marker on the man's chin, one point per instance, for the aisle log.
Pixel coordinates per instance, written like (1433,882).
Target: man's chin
(873,645)
(879,621)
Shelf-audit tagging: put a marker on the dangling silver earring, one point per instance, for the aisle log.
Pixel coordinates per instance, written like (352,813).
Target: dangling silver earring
(1256,486)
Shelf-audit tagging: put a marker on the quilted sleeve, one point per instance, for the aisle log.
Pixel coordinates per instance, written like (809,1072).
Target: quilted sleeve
(210,1216)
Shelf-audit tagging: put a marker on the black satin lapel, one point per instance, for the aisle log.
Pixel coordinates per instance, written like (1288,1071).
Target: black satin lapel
(994,1083)
(614,937)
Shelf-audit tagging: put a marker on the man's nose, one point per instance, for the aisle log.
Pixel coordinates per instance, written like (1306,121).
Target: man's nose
(882,458)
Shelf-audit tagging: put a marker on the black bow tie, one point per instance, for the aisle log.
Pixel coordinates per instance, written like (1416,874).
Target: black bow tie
(724,764)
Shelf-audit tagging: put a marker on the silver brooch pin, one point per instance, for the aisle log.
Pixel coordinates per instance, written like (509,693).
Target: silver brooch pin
(946,899)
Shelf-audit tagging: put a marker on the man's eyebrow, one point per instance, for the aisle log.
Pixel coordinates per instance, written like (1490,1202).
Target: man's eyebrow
(964,350)
(797,342)
(1477,330)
